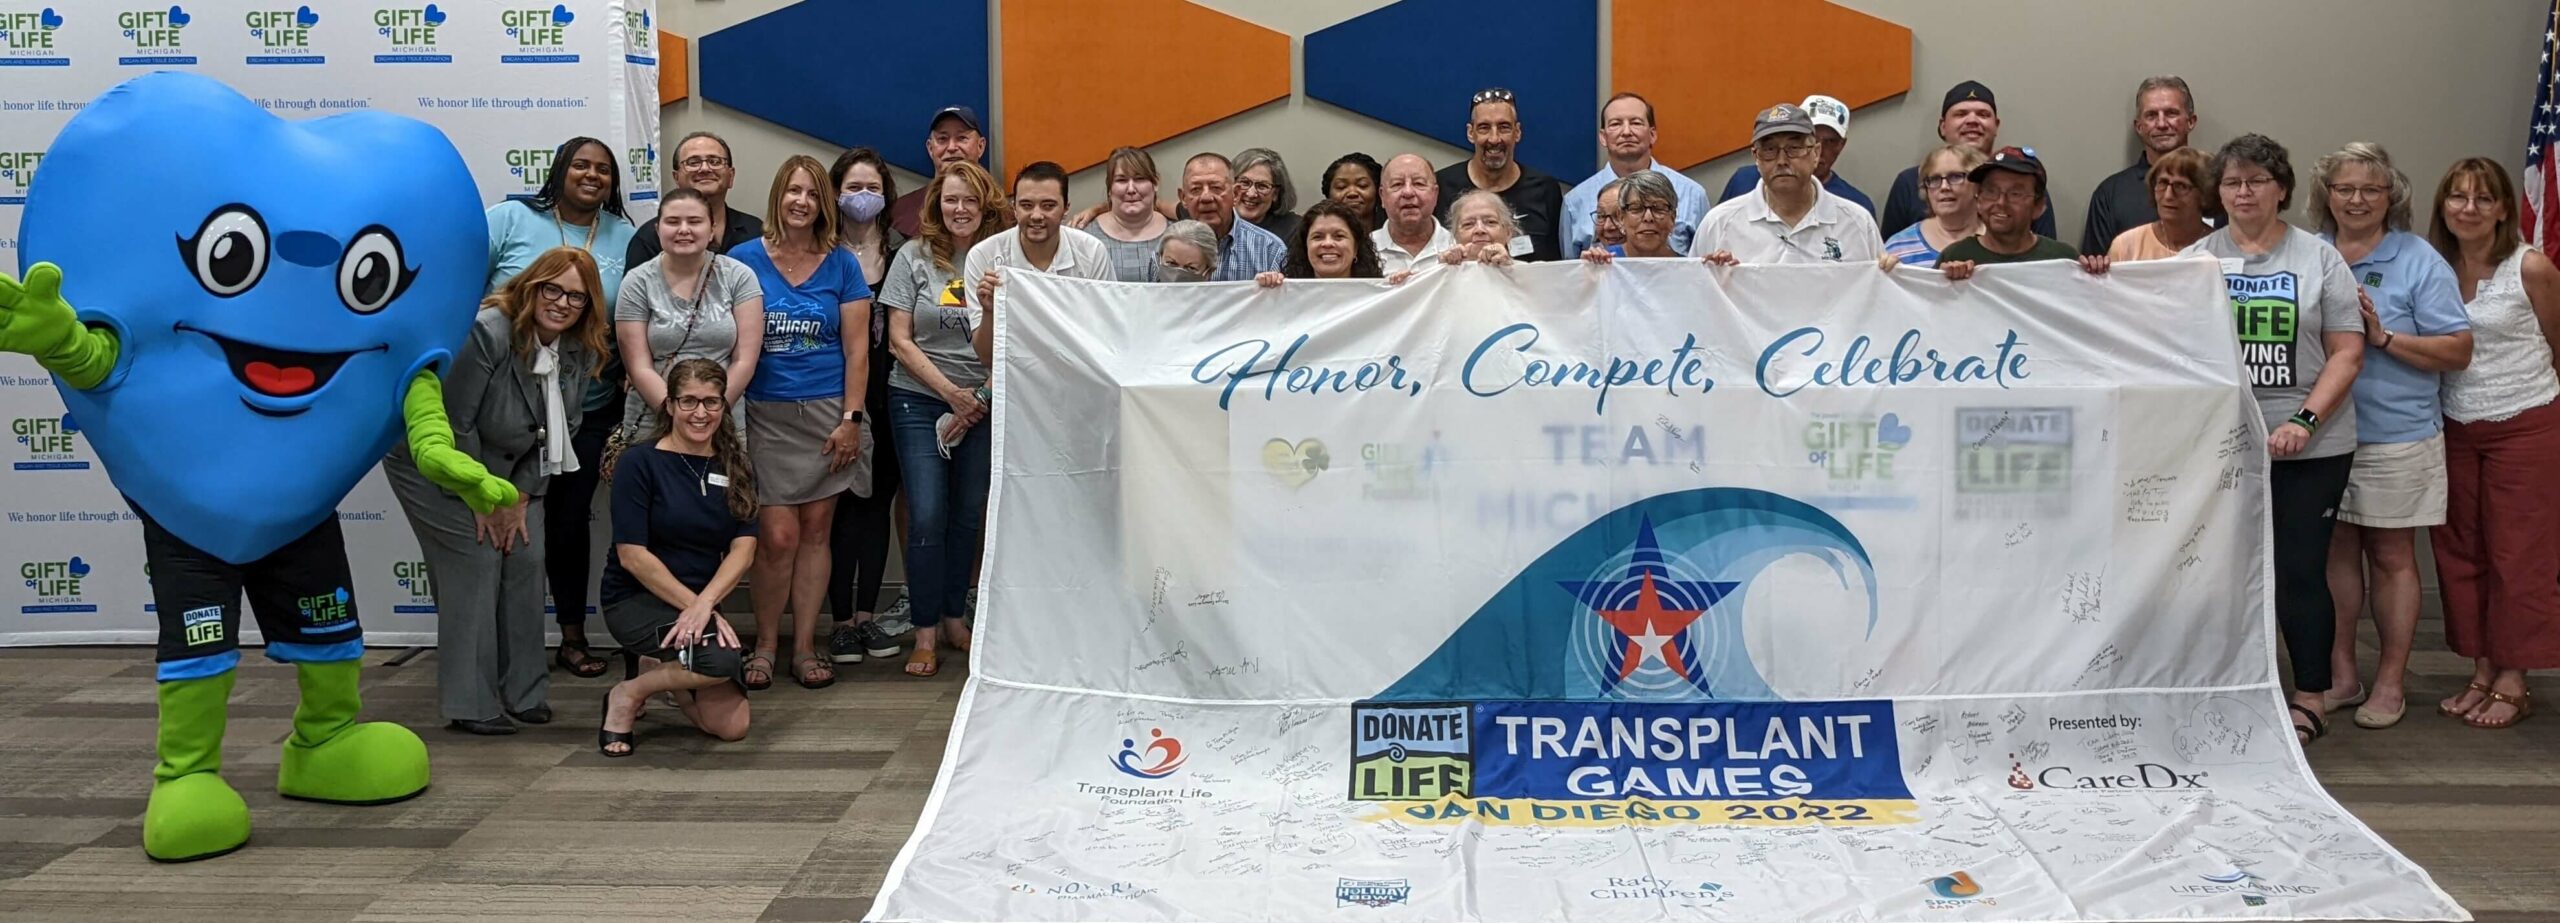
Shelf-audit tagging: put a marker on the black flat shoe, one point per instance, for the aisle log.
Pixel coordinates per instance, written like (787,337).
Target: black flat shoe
(486,726)
(539,714)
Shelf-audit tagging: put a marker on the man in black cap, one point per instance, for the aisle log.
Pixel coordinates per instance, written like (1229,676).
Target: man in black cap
(2011,191)
(952,136)
(1969,116)
(1536,199)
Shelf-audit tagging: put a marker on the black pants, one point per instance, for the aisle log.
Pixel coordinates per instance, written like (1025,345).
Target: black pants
(568,511)
(2303,496)
(300,594)
(861,530)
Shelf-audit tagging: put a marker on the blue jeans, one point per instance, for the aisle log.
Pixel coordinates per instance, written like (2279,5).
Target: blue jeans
(946,505)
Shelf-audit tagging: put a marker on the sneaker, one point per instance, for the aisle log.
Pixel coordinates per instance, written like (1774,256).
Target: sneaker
(873,641)
(897,620)
(971,604)
(845,645)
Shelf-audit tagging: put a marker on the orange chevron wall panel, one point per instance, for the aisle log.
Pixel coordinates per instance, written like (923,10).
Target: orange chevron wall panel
(1069,96)
(1709,65)
(675,68)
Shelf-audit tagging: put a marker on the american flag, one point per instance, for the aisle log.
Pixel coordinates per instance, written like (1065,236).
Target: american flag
(2541,224)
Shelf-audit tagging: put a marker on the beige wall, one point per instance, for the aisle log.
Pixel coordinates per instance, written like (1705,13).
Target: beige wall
(2432,80)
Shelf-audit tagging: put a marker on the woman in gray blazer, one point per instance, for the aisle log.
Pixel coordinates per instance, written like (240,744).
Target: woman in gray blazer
(513,395)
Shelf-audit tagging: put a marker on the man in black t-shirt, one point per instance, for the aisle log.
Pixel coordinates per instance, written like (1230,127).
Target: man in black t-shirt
(1536,199)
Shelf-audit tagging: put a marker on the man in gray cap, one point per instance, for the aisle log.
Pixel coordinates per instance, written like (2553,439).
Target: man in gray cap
(952,135)
(1789,218)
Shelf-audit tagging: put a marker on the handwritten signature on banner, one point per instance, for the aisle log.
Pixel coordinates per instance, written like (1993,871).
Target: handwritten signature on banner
(1504,361)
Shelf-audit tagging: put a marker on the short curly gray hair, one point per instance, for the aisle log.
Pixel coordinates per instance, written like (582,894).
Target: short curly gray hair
(1501,210)
(1196,234)
(2369,154)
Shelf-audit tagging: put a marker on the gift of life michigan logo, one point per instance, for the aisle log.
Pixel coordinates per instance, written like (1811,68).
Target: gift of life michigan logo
(415,584)
(284,36)
(642,161)
(2268,310)
(408,34)
(54,587)
(530,166)
(17,172)
(47,444)
(1856,456)
(27,39)
(158,35)
(1609,681)
(644,38)
(326,611)
(538,36)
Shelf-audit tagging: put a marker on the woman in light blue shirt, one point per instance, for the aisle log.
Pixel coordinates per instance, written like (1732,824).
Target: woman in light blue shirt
(2414,331)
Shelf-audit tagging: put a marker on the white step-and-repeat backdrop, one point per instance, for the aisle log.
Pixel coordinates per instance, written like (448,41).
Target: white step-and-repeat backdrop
(508,82)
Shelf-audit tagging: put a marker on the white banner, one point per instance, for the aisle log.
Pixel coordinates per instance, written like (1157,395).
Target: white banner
(1637,592)
(507,82)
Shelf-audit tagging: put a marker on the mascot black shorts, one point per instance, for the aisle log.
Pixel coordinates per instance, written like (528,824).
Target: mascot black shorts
(303,595)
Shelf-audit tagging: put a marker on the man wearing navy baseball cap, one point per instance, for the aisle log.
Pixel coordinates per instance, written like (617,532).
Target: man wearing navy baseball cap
(952,135)
(1970,116)
(1831,128)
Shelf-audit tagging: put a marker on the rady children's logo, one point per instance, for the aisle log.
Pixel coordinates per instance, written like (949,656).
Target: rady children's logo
(27,39)
(530,166)
(326,611)
(47,444)
(17,171)
(55,586)
(284,36)
(158,36)
(1160,757)
(538,36)
(411,576)
(410,35)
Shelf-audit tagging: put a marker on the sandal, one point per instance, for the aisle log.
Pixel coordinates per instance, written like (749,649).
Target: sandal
(2523,704)
(2308,732)
(2468,688)
(605,739)
(923,661)
(584,663)
(821,667)
(758,664)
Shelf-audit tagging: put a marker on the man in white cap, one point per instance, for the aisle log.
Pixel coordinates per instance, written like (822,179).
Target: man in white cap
(1787,217)
(1831,125)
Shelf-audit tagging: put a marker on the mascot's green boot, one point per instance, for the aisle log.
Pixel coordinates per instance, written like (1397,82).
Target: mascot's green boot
(193,813)
(332,758)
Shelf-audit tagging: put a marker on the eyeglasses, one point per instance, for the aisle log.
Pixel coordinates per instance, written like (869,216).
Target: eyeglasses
(2174,186)
(703,162)
(1949,180)
(1491,94)
(2352,193)
(2013,197)
(551,292)
(2253,184)
(1649,210)
(1782,150)
(2470,202)
(1607,218)
(690,404)
(1246,185)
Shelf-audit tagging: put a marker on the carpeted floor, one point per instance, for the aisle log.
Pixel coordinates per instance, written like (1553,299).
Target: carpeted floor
(800,821)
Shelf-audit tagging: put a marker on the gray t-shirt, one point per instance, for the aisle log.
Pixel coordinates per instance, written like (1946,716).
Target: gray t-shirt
(2281,303)
(704,327)
(1131,260)
(943,319)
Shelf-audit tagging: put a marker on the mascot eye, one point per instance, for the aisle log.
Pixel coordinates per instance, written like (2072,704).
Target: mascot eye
(372,274)
(229,253)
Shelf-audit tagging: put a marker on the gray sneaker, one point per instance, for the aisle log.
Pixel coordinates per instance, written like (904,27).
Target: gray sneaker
(897,620)
(846,646)
(874,641)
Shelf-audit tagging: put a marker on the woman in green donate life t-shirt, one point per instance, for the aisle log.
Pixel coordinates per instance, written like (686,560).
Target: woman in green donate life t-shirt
(2301,344)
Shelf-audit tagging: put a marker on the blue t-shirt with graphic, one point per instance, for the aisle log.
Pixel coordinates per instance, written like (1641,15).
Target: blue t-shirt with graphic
(803,354)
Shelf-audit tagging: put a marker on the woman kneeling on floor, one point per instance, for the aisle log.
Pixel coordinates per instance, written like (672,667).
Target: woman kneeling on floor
(684,532)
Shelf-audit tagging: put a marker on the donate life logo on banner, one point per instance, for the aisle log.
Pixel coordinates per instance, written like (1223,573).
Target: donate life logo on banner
(409,35)
(284,36)
(158,36)
(28,39)
(539,36)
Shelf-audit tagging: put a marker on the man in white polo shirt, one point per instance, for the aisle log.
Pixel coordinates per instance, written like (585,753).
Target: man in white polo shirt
(1033,243)
(1789,218)
(1411,235)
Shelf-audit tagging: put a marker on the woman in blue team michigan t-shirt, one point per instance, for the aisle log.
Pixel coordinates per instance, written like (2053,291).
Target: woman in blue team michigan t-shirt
(805,426)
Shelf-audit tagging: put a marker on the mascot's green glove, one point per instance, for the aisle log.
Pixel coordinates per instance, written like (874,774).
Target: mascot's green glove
(34,320)
(431,446)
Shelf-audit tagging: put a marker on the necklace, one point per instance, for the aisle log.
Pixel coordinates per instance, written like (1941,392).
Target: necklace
(595,225)
(701,476)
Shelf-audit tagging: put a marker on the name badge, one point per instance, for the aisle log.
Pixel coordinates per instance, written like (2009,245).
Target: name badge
(718,480)
(1520,245)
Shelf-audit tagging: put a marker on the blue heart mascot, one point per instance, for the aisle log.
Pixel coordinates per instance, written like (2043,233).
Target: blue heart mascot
(243,313)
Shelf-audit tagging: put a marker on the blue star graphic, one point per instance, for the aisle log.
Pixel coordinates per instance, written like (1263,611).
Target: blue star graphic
(1645,602)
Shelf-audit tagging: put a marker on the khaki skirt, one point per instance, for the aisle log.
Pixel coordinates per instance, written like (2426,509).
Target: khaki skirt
(786,441)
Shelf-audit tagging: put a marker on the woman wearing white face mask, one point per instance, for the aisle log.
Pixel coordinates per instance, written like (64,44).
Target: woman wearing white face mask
(864,188)
(1129,231)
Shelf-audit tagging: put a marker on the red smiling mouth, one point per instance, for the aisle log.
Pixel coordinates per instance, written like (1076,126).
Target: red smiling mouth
(279,373)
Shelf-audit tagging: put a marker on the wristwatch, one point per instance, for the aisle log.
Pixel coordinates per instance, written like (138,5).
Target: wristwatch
(853,416)
(2309,421)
